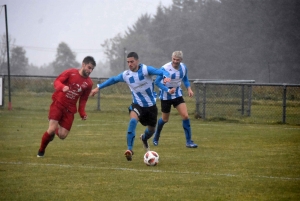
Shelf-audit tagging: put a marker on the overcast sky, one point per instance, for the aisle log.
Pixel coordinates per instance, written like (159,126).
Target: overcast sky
(40,25)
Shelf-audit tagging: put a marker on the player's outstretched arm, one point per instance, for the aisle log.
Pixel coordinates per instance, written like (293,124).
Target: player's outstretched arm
(94,91)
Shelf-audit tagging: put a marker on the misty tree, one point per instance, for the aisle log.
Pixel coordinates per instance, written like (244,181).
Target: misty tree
(113,50)
(136,39)
(3,52)
(19,62)
(220,39)
(65,59)
(102,70)
(45,70)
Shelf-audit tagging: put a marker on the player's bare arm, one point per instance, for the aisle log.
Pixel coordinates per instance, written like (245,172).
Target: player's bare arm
(190,92)
(94,91)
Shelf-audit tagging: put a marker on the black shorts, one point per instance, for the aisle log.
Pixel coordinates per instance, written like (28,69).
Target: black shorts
(166,104)
(147,115)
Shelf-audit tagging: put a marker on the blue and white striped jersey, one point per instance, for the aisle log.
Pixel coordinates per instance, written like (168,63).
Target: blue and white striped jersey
(140,84)
(176,77)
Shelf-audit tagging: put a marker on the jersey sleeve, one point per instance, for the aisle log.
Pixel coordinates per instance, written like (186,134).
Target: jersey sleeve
(82,101)
(111,81)
(162,74)
(81,107)
(58,83)
(185,79)
(159,72)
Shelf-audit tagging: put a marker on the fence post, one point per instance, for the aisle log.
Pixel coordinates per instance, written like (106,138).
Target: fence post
(2,93)
(98,97)
(197,115)
(204,101)
(284,104)
(243,99)
(249,100)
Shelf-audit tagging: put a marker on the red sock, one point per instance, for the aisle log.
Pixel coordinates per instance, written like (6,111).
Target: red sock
(45,141)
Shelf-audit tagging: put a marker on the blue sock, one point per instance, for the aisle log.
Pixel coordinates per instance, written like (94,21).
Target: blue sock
(187,129)
(131,133)
(147,135)
(159,127)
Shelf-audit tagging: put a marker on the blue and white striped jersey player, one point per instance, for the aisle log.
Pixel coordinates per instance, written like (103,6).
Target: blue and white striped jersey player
(143,107)
(173,96)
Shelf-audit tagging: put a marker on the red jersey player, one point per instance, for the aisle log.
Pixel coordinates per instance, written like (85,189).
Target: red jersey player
(70,85)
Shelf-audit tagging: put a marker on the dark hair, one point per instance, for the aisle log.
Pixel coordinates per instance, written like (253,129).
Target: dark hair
(88,60)
(134,55)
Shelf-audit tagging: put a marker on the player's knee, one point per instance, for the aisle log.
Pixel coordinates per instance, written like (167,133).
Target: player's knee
(62,137)
(133,121)
(185,116)
(165,120)
(151,131)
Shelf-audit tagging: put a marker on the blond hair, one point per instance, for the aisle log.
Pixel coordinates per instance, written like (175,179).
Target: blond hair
(177,54)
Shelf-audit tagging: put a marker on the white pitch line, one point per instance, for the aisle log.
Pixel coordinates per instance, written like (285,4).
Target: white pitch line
(137,170)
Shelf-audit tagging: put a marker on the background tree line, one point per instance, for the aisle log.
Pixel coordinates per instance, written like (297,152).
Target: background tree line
(220,39)
(19,64)
(227,39)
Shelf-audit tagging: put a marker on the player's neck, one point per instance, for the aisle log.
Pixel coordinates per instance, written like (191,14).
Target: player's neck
(80,71)
(175,67)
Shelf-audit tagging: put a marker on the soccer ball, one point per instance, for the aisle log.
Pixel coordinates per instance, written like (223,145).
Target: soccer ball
(151,158)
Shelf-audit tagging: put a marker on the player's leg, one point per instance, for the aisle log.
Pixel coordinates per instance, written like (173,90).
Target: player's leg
(160,124)
(131,131)
(47,137)
(65,125)
(62,132)
(149,119)
(55,113)
(182,110)
(149,131)
(165,109)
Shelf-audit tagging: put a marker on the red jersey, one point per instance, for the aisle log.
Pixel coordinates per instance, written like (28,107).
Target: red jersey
(79,88)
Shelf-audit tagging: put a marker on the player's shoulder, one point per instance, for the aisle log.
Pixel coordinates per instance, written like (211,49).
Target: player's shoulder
(167,65)
(182,65)
(74,70)
(88,79)
(70,70)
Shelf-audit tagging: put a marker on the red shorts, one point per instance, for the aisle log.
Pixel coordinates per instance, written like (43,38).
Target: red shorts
(59,113)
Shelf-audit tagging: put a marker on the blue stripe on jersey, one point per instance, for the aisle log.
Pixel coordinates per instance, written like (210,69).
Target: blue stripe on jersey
(180,73)
(131,80)
(151,96)
(141,76)
(177,92)
(169,96)
(144,102)
(133,98)
(173,76)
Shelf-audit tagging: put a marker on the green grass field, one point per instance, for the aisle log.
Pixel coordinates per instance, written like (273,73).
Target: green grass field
(234,161)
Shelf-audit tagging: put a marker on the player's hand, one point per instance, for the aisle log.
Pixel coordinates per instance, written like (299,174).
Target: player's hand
(84,117)
(190,92)
(166,80)
(171,91)
(65,89)
(94,91)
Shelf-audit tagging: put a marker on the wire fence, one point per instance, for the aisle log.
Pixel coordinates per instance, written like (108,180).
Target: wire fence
(233,101)
(251,102)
